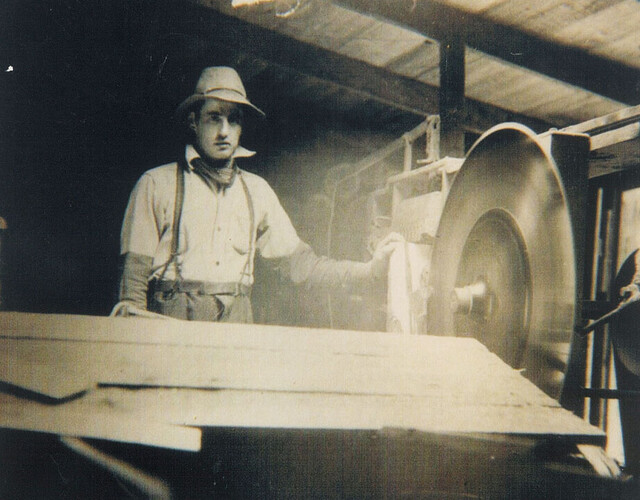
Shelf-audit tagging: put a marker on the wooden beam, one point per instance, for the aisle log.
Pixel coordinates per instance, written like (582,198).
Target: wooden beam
(607,122)
(568,64)
(617,136)
(451,102)
(300,58)
(291,55)
(609,130)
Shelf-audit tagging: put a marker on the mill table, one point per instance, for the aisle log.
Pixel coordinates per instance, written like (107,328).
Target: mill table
(202,409)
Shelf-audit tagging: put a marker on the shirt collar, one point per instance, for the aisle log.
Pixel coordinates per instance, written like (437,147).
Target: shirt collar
(240,152)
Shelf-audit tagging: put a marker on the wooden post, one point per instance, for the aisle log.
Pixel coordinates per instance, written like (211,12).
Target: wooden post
(451,96)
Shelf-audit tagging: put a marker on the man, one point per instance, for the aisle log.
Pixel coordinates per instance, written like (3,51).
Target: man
(192,228)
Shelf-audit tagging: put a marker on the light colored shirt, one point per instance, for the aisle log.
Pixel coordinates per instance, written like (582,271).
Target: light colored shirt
(214,241)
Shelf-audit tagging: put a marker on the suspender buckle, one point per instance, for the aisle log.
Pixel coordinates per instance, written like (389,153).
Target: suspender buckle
(176,287)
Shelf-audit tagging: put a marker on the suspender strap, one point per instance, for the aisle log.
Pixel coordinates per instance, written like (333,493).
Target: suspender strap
(175,234)
(252,221)
(177,215)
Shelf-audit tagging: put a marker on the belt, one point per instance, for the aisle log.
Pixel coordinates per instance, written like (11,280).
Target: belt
(200,287)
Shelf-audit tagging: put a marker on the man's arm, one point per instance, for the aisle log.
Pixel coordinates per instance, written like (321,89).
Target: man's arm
(279,243)
(134,279)
(631,292)
(304,266)
(138,239)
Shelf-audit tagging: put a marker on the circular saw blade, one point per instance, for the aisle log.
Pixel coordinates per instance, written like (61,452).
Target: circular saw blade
(506,224)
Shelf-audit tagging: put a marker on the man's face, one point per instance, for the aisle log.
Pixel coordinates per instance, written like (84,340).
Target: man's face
(217,129)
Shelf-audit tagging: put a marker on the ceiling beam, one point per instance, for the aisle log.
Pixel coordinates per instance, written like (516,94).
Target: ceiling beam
(298,57)
(452,105)
(568,64)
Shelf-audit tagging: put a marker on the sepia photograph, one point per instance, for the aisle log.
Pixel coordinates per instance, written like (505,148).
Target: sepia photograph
(320,249)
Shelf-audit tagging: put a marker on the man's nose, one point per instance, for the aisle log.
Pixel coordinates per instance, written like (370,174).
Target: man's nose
(224,127)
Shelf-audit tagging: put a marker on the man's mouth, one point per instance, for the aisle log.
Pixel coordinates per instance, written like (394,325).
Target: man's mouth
(223,144)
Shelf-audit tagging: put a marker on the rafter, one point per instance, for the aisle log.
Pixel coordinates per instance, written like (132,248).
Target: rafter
(568,64)
(335,70)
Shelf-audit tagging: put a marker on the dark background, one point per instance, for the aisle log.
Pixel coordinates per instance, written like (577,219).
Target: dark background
(87,95)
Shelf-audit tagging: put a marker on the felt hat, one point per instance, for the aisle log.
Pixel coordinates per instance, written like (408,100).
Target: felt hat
(218,82)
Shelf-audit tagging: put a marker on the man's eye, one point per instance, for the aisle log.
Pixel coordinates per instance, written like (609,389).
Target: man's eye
(236,117)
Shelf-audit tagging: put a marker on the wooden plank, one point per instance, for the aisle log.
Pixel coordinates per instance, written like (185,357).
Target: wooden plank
(626,133)
(168,332)
(546,17)
(471,374)
(549,16)
(381,43)
(510,11)
(517,12)
(508,78)
(289,377)
(305,58)
(414,62)
(527,92)
(602,27)
(95,419)
(336,25)
(222,29)
(137,351)
(524,89)
(328,29)
(566,63)
(556,95)
(479,68)
(626,48)
(607,122)
(590,106)
(46,378)
(289,410)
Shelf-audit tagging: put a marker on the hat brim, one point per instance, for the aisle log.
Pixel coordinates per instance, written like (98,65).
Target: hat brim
(222,95)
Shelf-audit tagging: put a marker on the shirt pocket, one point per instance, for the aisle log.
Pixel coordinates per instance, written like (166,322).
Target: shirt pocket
(238,234)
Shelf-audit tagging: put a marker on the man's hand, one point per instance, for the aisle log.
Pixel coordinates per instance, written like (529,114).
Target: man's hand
(380,261)
(630,293)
